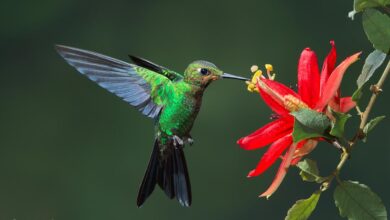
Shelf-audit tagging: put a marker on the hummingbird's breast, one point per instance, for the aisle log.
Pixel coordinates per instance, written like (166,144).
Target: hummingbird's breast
(178,115)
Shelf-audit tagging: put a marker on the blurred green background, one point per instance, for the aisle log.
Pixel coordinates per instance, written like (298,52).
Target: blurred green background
(71,150)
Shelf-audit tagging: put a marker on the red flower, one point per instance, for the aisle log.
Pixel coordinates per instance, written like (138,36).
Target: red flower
(315,91)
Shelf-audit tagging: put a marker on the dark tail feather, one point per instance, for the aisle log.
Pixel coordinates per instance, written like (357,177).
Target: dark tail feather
(149,181)
(181,179)
(171,174)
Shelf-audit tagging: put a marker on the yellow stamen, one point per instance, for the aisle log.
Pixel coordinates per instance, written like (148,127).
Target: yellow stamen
(293,104)
(254,68)
(270,69)
(256,74)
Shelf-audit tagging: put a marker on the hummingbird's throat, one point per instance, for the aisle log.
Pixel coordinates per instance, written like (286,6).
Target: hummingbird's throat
(207,79)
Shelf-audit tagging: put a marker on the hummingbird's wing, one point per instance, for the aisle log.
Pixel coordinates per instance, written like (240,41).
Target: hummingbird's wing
(170,74)
(137,86)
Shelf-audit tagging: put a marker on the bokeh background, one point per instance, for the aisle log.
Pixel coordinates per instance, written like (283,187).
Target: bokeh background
(71,150)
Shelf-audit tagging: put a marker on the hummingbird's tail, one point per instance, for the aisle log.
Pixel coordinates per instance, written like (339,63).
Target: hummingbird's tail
(170,172)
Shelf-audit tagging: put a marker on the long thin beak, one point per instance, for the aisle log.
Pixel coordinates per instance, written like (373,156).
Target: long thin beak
(230,76)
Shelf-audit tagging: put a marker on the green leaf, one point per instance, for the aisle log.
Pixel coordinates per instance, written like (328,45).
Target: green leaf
(371,125)
(357,95)
(377,28)
(356,201)
(360,5)
(309,124)
(338,126)
(303,208)
(309,171)
(373,61)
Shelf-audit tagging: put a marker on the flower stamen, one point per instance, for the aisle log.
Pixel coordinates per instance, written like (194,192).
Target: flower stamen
(256,74)
(270,69)
(292,103)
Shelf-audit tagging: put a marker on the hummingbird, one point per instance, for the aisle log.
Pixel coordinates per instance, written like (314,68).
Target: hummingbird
(173,100)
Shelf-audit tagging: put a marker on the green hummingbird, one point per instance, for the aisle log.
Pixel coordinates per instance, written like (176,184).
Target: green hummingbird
(171,99)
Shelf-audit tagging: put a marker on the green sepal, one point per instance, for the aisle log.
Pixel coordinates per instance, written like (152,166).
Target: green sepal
(377,28)
(356,201)
(309,171)
(303,208)
(371,125)
(338,126)
(309,124)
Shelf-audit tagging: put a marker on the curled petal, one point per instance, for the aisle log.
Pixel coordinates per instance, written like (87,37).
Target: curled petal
(267,134)
(308,77)
(346,104)
(287,158)
(334,81)
(273,153)
(272,93)
(328,66)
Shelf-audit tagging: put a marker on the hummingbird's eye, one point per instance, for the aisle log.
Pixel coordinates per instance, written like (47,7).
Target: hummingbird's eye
(204,71)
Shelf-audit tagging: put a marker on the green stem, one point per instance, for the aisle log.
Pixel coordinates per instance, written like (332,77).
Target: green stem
(364,118)
(377,89)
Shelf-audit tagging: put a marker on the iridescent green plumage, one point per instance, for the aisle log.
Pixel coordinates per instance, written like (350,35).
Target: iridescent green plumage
(172,99)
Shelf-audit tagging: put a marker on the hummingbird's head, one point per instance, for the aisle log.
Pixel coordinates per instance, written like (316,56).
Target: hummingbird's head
(202,73)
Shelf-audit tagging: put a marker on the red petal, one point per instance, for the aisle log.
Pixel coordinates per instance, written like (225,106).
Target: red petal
(308,77)
(295,161)
(334,102)
(287,158)
(273,102)
(267,134)
(346,104)
(273,153)
(334,81)
(328,66)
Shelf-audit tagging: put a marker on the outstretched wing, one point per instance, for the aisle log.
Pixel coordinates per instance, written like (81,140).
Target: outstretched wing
(136,85)
(170,74)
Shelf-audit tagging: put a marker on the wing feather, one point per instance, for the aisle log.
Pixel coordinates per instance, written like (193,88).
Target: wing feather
(118,77)
(170,74)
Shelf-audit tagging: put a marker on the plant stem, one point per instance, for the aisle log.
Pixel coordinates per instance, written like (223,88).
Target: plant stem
(376,89)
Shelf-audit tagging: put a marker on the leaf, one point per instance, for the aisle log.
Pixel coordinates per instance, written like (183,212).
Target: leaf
(338,126)
(371,125)
(360,5)
(309,124)
(373,61)
(356,201)
(377,28)
(357,95)
(309,171)
(303,208)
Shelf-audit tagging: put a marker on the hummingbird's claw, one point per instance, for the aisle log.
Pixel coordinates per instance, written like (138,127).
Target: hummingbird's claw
(177,141)
(188,140)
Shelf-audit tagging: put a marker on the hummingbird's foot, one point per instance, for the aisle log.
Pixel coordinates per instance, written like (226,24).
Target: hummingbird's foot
(189,140)
(177,141)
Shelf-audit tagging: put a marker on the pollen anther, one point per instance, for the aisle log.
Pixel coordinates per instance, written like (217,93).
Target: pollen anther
(256,74)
